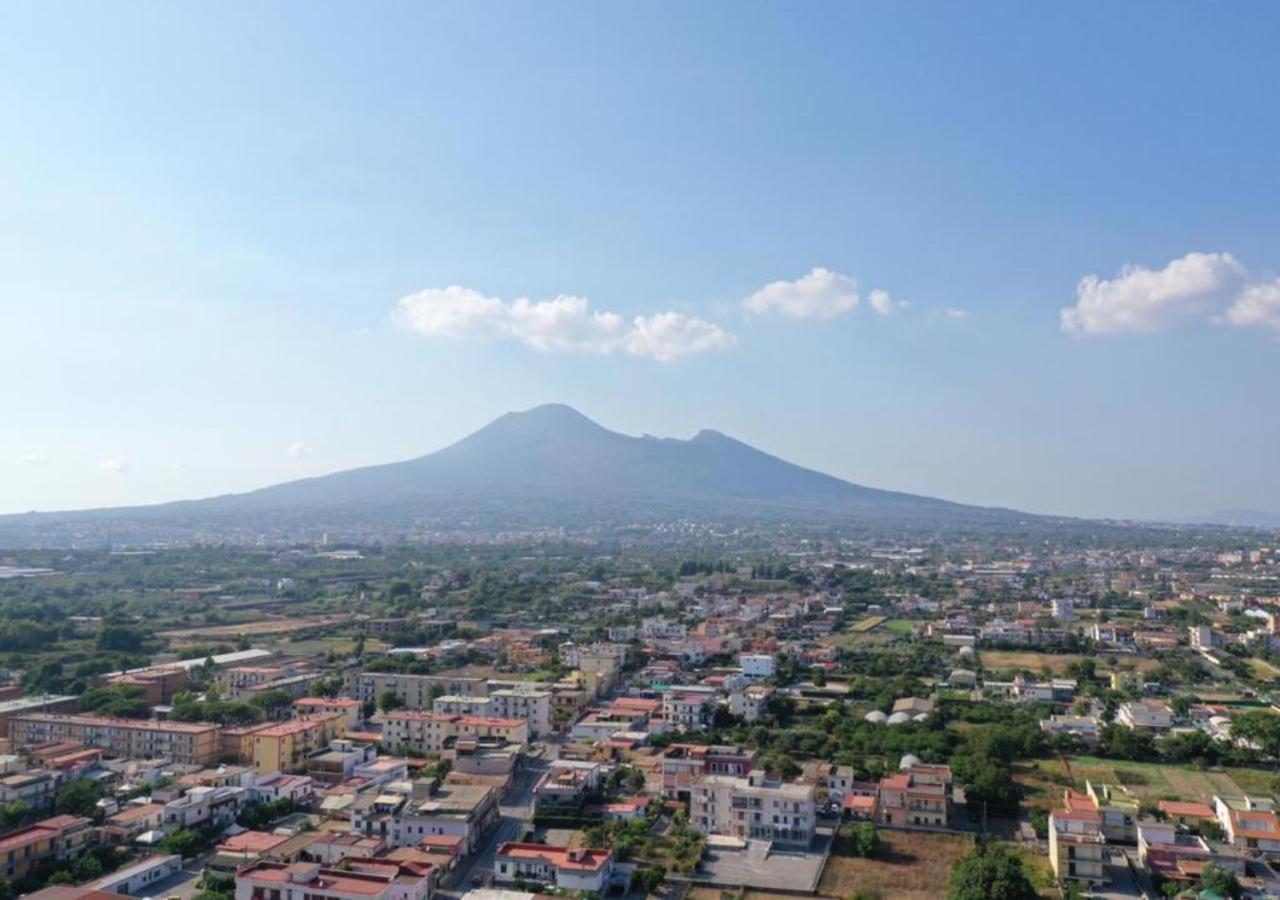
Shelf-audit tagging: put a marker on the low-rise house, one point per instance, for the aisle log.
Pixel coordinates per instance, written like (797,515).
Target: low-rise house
(751,703)
(1175,856)
(358,879)
(562,868)
(338,761)
(1186,814)
(1145,715)
(215,807)
(1248,823)
(1084,728)
(279,786)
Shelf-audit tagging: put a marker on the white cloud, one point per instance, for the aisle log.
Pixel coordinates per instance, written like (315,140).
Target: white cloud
(298,450)
(952,312)
(1257,304)
(31,459)
(114,466)
(882,304)
(822,294)
(1142,300)
(564,324)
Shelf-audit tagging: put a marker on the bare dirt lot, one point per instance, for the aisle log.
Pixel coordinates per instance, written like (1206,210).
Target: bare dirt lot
(908,866)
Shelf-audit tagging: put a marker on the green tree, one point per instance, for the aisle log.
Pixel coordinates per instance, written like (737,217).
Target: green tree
(389,700)
(1220,880)
(990,872)
(79,798)
(865,840)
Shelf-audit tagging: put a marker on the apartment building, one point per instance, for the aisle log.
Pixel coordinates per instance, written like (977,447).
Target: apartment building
(414,691)
(757,665)
(918,796)
(689,709)
(1077,846)
(432,733)
(683,764)
(533,705)
(325,706)
(560,868)
(358,879)
(35,789)
(754,807)
(190,743)
(433,810)
(23,705)
(751,703)
(285,747)
(51,840)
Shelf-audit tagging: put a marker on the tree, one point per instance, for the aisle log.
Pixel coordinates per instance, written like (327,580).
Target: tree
(1220,880)
(990,872)
(389,700)
(79,798)
(865,840)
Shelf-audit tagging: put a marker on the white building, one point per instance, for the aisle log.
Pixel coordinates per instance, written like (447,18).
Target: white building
(757,665)
(754,808)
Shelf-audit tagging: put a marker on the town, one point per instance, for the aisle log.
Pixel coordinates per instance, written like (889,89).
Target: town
(836,719)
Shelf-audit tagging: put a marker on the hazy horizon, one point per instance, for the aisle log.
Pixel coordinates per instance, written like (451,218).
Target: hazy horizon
(1018,257)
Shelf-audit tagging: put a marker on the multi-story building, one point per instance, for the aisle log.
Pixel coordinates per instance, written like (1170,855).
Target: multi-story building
(689,709)
(530,704)
(918,796)
(425,732)
(414,691)
(285,747)
(1077,846)
(757,665)
(683,764)
(324,706)
(751,703)
(205,806)
(433,810)
(755,808)
(51,840)
(35,789)
(190,743)
(339,760)
(358,879)
(561,868)
(1145,715)
(50,703)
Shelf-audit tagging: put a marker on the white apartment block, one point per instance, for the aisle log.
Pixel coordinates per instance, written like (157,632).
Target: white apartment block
(754,808)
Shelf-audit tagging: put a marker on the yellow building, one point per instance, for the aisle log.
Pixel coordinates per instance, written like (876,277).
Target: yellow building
(284,747)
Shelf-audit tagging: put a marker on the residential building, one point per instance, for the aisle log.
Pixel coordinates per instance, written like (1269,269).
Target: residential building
(1249,823)
(757,665)
(52,840)
(562,868)
(414,691)
(358,879)
(432,733)
(284,747)
(683,764)
(189,743)
(1145,715)
(918,796)
(754,807)
(1077,846)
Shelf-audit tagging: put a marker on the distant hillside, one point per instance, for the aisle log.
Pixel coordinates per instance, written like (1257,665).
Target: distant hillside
(549,466)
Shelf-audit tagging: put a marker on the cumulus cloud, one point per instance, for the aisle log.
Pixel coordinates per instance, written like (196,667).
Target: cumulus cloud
(114,466)
(883,304)
(563,324)
(1198,286)
(298,450)
(31,459)
(822,294)
(1257,304)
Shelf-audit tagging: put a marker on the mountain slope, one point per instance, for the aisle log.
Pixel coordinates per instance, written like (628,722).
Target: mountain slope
(546,466)
(555,453)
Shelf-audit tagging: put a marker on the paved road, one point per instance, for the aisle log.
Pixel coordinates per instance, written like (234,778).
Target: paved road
(514,814)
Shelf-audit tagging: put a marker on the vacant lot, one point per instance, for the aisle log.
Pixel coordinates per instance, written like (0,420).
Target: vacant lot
(1057,662)
(1263,670)
(255,629)
(908,866)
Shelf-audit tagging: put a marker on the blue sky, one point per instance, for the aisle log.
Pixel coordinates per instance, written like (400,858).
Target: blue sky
(226,235)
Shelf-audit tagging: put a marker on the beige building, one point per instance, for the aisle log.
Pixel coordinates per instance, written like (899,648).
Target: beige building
(192,743)
(424,732)
(754,808)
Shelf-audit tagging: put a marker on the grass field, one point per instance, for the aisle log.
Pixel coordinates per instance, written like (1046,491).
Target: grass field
(908,866)
(900,626)
(1044,780)
(867,624)
(1263,670)
(1053,662)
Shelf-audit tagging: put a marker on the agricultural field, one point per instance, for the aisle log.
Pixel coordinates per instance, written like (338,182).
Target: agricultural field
(867,624)
(249,629)
(1044,780)
(908,866)
(1056,663)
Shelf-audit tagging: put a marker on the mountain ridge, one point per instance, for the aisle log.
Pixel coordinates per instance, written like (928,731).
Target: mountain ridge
(553,463)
